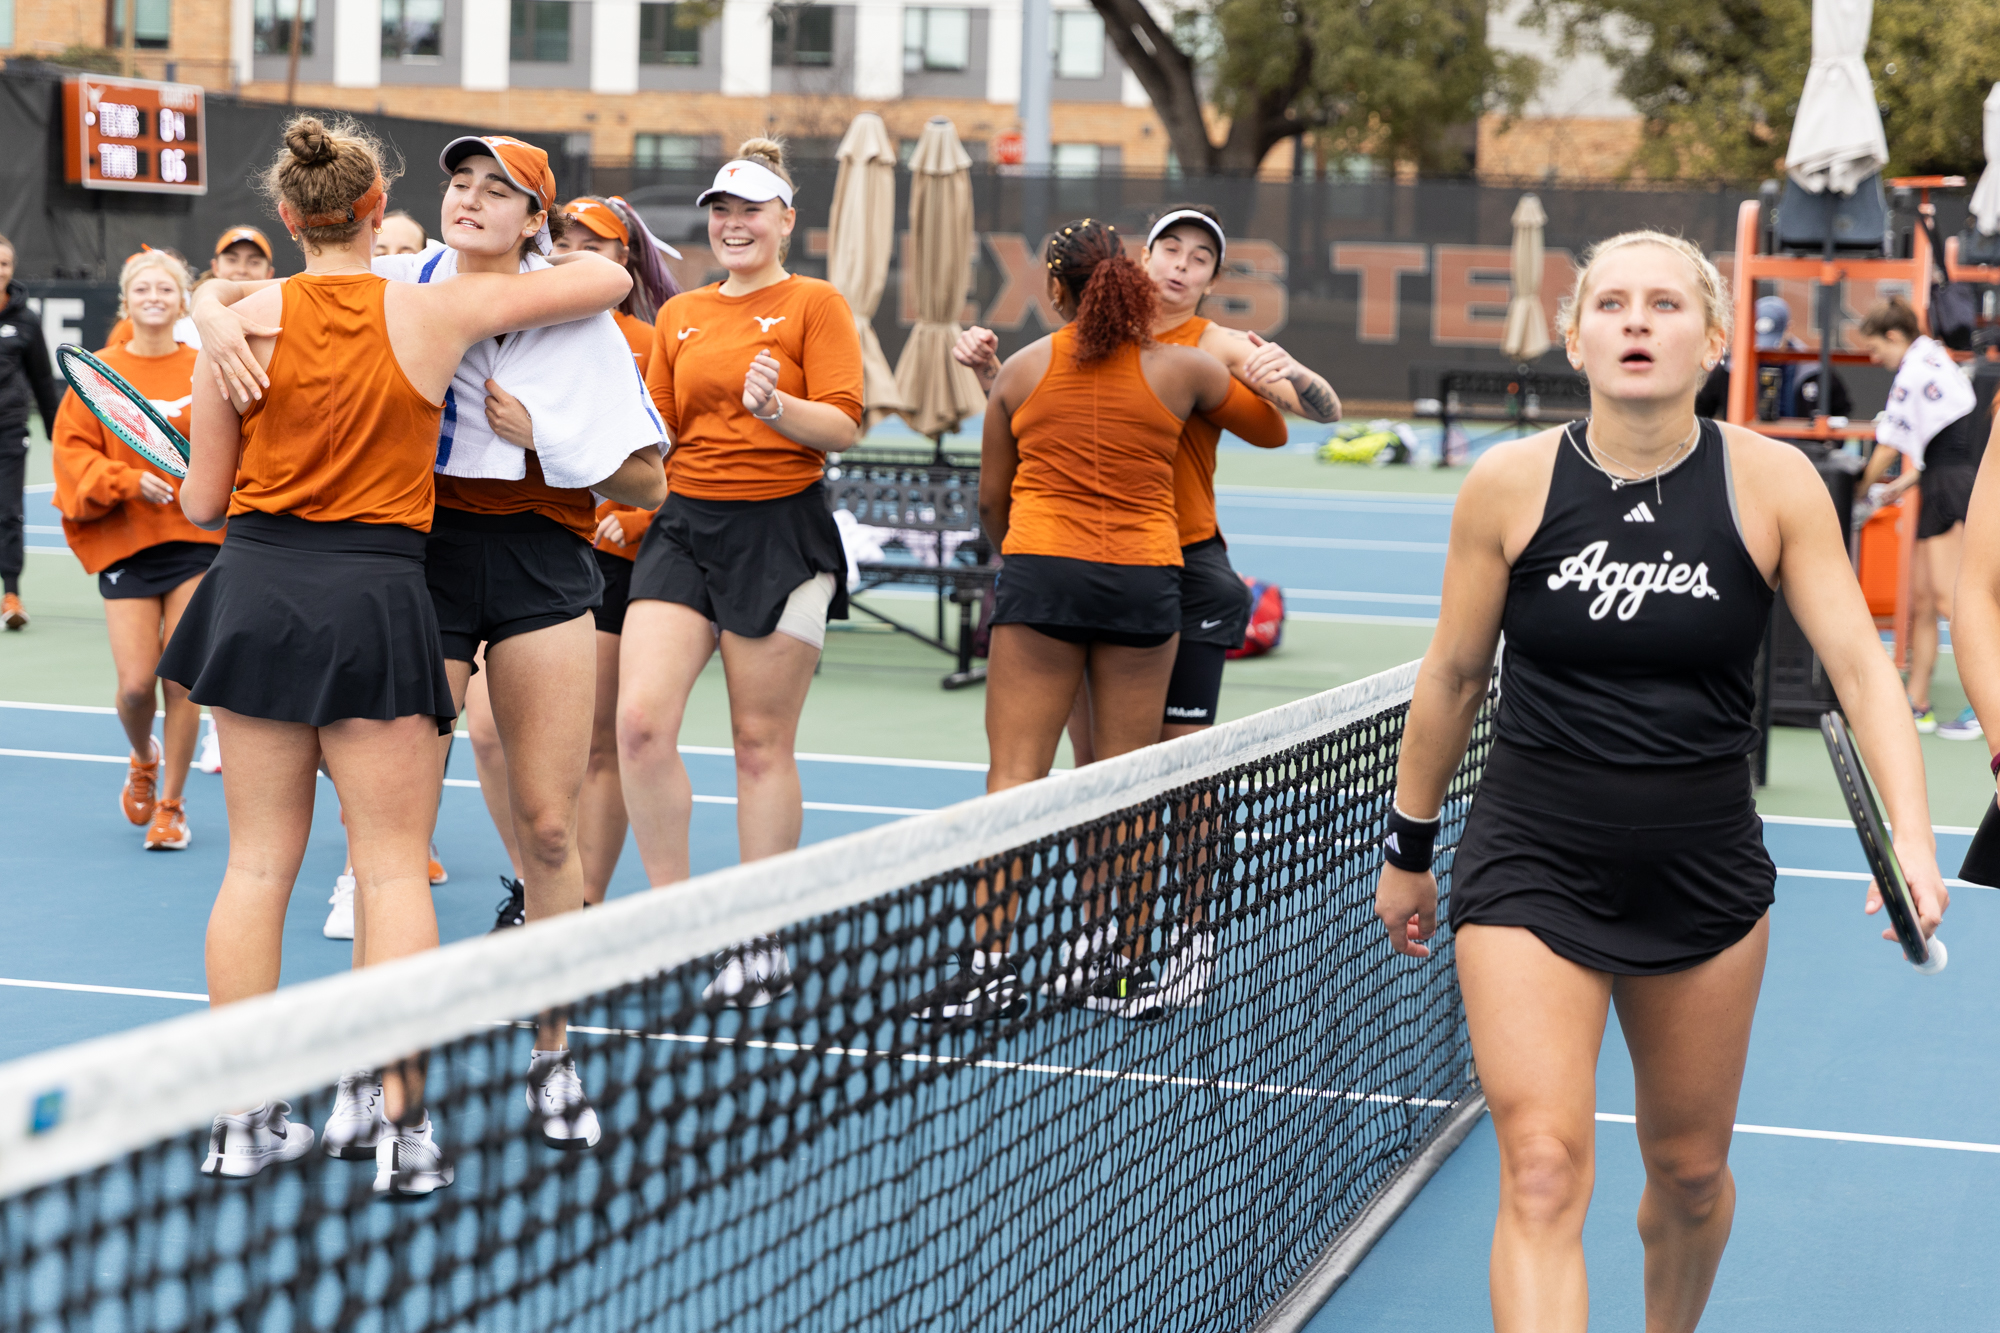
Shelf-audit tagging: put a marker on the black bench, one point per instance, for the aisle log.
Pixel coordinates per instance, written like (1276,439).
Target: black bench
(1516,397)
(935,495)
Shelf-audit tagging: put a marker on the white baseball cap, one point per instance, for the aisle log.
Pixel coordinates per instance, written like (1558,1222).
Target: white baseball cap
(752,181)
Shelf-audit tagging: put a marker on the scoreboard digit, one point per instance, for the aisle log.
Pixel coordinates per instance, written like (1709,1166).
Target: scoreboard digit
(134,134)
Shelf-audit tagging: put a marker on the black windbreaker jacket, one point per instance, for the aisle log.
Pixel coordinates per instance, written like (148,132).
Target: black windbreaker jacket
(27,381)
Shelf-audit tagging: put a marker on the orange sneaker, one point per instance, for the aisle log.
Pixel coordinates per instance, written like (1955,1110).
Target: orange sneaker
(438,875)
(141,781)
(12,614)
(169,832)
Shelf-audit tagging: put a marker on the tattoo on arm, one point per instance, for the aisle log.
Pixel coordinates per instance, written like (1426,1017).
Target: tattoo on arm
(1317,398)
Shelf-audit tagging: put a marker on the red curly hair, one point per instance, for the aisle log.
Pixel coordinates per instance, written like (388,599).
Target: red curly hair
(1115,302)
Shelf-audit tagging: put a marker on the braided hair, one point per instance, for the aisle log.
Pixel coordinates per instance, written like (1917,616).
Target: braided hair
(1115,303)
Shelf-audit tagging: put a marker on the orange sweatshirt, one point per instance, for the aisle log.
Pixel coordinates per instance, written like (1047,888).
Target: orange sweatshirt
(104,518)
(704,344)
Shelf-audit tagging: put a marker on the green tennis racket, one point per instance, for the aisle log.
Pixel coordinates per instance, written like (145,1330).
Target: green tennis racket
(124,411)
(1926,955)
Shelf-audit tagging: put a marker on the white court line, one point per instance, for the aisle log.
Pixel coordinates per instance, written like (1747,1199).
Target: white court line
(1862,876)
(1358,618)
(836,807)
(1066,1071)
(875,761)
(1813,822)
(1311,492)
(1834,1135)
(59,754)
(1340,544)
(1329,594)
(40,488)
(105,990)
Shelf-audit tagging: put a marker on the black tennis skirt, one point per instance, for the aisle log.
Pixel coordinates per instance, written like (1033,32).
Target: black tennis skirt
(1946,494)
(156,571)
(610,611)
(739,561)
(313,623)
(1089,601)
(1637,870)
(1215,602)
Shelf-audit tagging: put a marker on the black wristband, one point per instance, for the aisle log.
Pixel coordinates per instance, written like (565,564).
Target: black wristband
(1407,843)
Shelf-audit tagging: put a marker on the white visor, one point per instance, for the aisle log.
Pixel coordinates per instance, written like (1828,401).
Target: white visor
(1201,219)
(752,181)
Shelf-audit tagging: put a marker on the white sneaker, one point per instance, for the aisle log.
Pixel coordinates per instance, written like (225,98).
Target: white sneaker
(211,748)
(752,975)
(340,921)
(1094,969)
(357,1126)
(239,1146)
(409,1163)
(556,1099)
(1183,982)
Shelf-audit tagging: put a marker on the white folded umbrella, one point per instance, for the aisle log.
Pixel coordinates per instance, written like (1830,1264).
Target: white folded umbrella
(1986,198)
(1837,137)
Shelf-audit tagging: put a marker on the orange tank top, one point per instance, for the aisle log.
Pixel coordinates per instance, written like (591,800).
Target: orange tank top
(1096,479)
(341,434)
(1194,462)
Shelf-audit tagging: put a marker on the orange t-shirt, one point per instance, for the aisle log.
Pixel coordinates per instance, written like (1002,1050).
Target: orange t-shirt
(638,336)
(634,520)
(1096,478)
(341,434)
(104,518)
(1194,464)
(573,509)
(703,347)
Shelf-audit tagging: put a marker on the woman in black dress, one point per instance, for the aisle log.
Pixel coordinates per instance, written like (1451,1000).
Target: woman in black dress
(1613,852)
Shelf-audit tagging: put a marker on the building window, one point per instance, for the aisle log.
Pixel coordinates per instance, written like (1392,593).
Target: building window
(271,26)
(1076,159)
(412,30)
(937,39)
(802,35)
(6,23)
(539,31)
(1079,43)
(671,151)
(664,39)
(153,23)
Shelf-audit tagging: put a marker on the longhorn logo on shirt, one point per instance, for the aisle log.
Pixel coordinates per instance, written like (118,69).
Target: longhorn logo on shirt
(170,407)
(1588,569)
(766,324)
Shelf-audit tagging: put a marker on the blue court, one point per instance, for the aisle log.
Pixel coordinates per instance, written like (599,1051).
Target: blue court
(1869,1153)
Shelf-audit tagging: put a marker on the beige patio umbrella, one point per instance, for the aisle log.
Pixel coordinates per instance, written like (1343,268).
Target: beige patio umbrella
(861,234)
(1527,335)
(937,392)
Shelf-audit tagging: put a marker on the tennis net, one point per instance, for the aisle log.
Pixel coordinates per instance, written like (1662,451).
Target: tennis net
(1105,1153)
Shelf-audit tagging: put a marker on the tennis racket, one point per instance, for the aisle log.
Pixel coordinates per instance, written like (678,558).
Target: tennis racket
(1927,956)
(124,411)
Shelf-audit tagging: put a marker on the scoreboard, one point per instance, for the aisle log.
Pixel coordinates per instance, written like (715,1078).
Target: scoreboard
(133,134)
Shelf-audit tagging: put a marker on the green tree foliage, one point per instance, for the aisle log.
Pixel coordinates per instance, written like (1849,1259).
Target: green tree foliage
(1719,80)
(1392,79)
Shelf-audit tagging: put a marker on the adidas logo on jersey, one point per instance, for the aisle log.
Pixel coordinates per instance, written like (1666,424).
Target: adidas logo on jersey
(1640,514)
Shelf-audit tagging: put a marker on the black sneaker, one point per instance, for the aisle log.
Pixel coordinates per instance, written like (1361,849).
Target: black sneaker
(984,988)
(513,909)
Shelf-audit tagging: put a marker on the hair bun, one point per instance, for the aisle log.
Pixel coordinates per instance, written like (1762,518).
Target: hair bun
(769,151)
(309,142)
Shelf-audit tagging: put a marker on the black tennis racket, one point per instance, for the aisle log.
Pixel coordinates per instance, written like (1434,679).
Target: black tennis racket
(1927,956)
(124,411)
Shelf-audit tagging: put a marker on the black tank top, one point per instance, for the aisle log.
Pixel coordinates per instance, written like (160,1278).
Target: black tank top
(1633,617)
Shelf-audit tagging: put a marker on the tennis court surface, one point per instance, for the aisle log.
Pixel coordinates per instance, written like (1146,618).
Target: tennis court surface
(832,1162)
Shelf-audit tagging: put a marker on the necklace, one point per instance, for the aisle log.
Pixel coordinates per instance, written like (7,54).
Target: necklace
(1680,455)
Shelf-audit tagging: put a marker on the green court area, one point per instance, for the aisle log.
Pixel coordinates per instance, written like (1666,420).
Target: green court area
(878,692)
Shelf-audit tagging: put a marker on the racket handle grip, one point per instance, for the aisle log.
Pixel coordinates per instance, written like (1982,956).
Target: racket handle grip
(1935,962)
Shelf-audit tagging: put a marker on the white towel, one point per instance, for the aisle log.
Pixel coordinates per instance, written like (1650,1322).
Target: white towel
(1929,394)
(577,380)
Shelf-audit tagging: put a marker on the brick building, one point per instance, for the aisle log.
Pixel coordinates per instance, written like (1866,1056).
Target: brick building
(634,83)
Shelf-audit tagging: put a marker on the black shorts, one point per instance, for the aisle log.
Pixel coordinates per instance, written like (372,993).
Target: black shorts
(1632,869)
(1945,493)
(493,576)
(1196,686)
(314,623)
(1088,601)
(739,561)
(617,571)
(156,571)
(1215,602)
